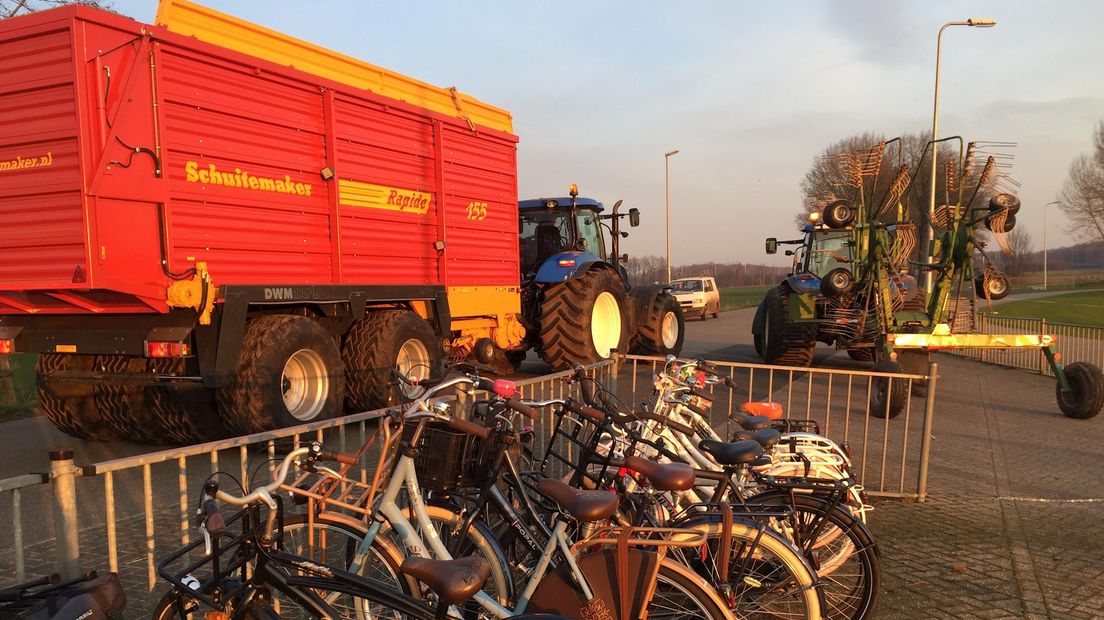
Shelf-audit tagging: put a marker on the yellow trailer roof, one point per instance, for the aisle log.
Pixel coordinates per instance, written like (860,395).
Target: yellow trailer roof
(217,28)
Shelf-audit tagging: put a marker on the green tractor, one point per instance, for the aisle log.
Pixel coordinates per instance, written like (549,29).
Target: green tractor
(853,286)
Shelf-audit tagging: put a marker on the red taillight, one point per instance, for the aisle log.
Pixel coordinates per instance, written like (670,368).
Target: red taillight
(7,346)
(166,349)
(566,262)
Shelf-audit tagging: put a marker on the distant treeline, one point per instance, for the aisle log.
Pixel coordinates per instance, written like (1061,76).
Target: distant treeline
(648,269)
(1081,256)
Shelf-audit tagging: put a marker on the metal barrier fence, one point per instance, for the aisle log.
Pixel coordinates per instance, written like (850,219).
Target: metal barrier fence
(123,513)
(890,456)
(1075,343)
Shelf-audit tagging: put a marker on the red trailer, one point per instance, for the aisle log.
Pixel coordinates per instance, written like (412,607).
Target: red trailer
(199,240)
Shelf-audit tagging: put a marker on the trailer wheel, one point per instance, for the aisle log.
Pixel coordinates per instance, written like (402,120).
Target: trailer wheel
(582,320)
(1086,395)
(887,396)
(663,330)
(185,413)
(70,405)
(839,214)
(785,343)
(1005,202)
(289,372)
(997,284)
(380,342)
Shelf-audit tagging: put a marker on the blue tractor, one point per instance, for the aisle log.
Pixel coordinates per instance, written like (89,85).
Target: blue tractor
(577,303)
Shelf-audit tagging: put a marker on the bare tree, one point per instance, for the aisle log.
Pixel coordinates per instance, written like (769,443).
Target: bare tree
(11,8)
(1082,195)
(1016,261)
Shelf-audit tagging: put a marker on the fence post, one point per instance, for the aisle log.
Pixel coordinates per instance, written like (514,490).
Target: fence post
(1043,364)
(63,480)
(925,440)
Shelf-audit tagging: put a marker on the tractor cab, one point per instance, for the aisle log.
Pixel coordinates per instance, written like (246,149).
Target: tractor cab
(559,237)
(552,226)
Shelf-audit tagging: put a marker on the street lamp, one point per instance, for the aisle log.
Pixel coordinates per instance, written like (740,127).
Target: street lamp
(1045,229)
(975,23)
(667,191)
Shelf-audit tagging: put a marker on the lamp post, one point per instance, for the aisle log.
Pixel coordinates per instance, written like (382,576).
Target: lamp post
(667,191)
(1045,230)
(975,23)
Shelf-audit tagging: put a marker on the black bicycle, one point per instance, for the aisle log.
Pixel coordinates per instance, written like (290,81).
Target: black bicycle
(250,576)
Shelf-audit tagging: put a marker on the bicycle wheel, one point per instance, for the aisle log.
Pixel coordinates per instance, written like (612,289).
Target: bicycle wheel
(842,552)
(680,593)
(334,542)
(768,577)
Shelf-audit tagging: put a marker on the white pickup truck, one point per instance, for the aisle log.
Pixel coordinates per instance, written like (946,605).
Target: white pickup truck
(697,296)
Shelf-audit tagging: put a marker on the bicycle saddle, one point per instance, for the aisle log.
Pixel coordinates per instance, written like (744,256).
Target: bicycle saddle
(663,476)
(769,410)
(766,437)
(750,422)
(734,453)
(454,581)
(584,506)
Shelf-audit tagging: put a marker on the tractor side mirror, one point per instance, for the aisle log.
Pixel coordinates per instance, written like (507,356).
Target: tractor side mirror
(634,217)
(772,246)
(624,258)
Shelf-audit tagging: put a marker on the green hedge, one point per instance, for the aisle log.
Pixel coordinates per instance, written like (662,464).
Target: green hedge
(17,389)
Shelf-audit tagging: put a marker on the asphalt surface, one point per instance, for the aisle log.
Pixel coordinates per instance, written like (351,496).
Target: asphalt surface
(1013,526)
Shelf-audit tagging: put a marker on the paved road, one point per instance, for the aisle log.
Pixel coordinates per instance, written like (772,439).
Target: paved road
(1014,525)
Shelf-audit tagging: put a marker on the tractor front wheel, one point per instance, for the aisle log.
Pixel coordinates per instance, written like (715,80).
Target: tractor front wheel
(1086,394)
(783,342)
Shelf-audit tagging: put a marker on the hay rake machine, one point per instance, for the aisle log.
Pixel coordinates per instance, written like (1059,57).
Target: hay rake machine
(853,283)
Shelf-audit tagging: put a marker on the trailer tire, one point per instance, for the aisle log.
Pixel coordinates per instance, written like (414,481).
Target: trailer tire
(583,320)
(1087,395)
(887,396)
(785,343)
(997,283)
(1005,202)
(186,414)
(663,329)
(71,406)
(289,373)
(372,348)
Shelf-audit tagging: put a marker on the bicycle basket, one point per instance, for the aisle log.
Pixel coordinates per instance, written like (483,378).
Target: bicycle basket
(442,455)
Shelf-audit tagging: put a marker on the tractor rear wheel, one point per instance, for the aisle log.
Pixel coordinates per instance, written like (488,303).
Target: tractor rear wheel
(1086,395)
(71,406)
(381,342)
(887,395)
(662,330)
(785,343)
(582,320)
(289,373)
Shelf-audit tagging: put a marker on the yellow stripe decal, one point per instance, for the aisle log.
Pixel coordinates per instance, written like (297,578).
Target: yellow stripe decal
(357,194)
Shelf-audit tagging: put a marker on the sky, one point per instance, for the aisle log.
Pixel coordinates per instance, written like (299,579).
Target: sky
(749,92)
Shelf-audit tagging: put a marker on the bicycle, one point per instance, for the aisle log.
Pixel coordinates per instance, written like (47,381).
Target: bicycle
(247,584)
(562,567)
(88,597)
